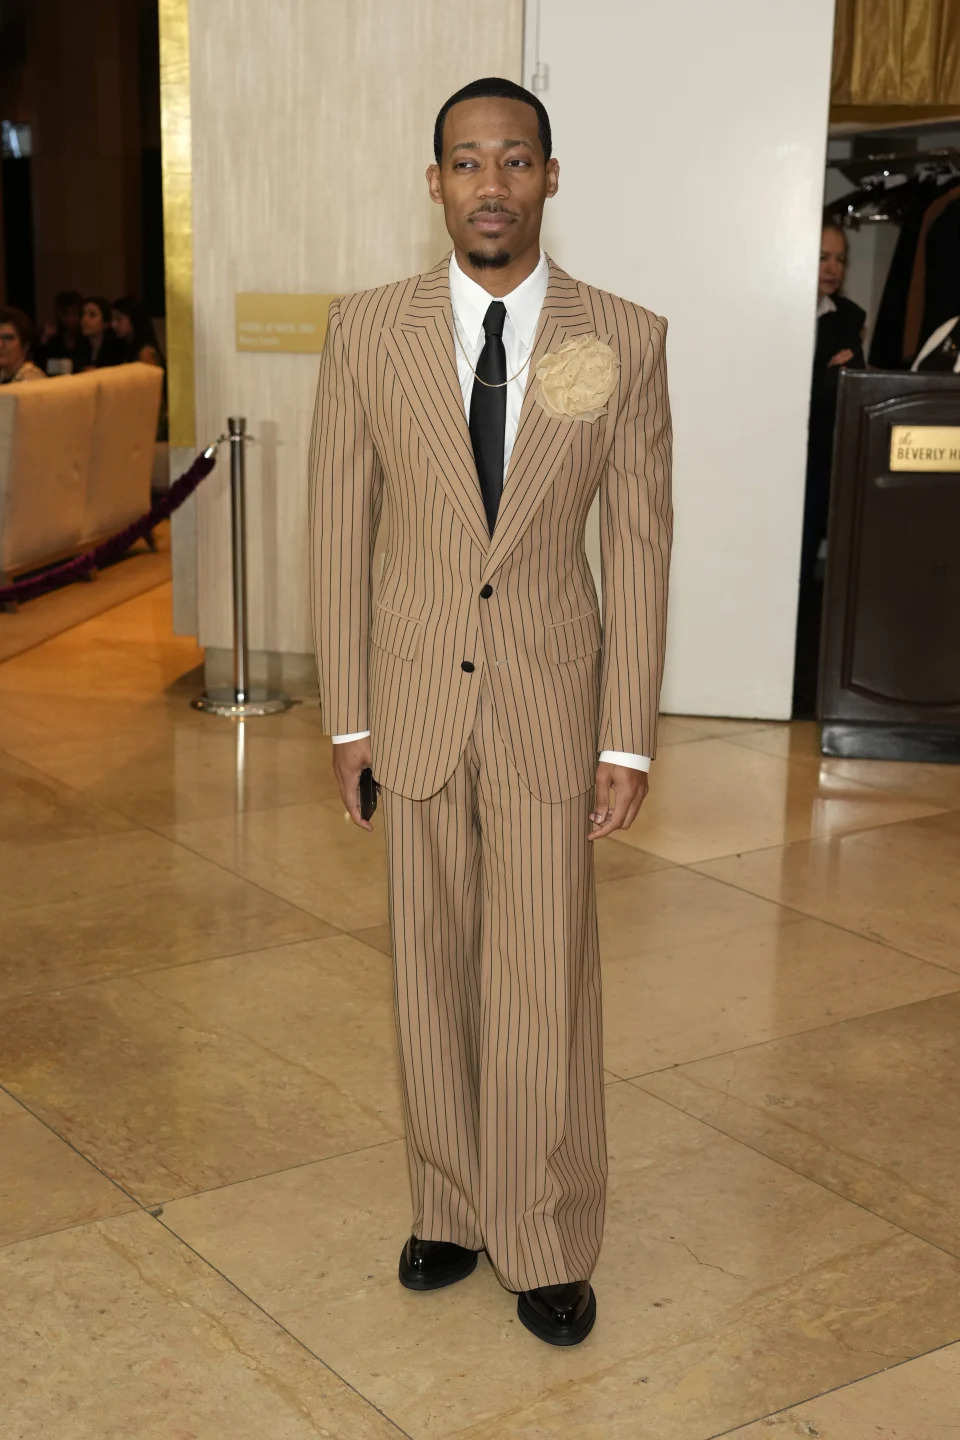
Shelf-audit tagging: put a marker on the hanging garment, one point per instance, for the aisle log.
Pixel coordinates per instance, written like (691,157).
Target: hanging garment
(886,347)
(942,293)
(941,352)
(914,328)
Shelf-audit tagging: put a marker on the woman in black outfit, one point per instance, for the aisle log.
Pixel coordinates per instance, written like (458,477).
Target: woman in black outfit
(839,345)
(133,327)
(134,330)
(98,345)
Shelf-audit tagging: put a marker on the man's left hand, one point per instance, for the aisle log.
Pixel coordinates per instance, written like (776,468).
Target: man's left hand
(620,791)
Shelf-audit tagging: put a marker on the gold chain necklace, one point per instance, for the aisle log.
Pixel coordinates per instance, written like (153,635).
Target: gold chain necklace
(495,385)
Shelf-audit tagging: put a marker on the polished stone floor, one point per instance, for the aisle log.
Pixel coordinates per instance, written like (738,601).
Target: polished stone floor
(202,1178)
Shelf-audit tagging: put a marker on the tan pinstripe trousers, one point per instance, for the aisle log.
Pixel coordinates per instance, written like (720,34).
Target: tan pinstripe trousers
(498,1016)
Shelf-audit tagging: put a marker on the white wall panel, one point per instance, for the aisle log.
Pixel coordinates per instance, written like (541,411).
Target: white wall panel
(691,138)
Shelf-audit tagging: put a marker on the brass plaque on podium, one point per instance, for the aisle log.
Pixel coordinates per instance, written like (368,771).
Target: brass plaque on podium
(925,447)
(283,324)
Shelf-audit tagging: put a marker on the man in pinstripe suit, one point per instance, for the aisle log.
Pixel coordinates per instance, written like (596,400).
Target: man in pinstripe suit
(467,418)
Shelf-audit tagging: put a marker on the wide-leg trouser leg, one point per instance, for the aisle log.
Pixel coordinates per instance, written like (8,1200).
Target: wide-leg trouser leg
(498,1015)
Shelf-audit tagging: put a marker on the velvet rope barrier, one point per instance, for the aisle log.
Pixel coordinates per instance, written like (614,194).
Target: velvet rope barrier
(118,544)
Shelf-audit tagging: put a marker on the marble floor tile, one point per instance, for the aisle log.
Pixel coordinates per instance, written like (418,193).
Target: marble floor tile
(191,774)
(177,1081)
(613,859)
(377,936)
(44,1185)
(728,1287)
(22,721)
(677,729)
(798,740)
(919,1400)
(37,873)
(34,807)
(899,888)
(933,842)
(308,854)
(713,798)
(235,1065)
(121,654)
(934,784)
(191,912)
(866,1107)
(326,1006)
(724,992)
(115,1330)
(32,723)
(651,913)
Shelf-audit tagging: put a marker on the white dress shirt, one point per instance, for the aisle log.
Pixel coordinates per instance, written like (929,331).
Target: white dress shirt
(470,303)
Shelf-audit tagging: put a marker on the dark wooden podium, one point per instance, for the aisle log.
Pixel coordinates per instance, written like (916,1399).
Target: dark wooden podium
(890,643)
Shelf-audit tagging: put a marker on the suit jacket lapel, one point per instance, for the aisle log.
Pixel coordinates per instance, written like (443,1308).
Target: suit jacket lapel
(541,441)
(422,347)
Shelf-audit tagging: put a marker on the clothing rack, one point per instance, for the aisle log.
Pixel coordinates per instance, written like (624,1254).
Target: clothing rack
(860,167)
(876,201)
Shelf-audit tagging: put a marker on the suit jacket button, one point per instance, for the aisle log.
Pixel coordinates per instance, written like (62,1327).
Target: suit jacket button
(468,666)
(486,592)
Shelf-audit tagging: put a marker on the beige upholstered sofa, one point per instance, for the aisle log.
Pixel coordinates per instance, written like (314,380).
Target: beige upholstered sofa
(76,455)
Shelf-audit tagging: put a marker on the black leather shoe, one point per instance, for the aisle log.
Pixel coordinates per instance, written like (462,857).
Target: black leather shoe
(431,1264)
(559,1314)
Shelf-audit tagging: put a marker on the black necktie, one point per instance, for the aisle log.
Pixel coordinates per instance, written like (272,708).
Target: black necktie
(488,411)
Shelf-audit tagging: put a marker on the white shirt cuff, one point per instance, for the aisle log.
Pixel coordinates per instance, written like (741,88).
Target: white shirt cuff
(620,757)
(611,757)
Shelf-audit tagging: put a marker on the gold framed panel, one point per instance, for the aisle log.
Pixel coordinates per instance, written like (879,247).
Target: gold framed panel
(177,170)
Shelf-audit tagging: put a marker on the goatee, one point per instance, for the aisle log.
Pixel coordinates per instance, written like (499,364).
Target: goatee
(481,261)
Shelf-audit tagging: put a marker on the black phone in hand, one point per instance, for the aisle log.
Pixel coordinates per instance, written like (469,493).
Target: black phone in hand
(369,790)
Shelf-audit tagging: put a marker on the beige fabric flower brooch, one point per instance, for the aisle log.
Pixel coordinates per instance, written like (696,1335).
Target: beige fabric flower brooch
(577,380)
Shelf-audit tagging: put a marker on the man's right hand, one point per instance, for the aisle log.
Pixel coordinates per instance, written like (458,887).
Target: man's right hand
(348,761)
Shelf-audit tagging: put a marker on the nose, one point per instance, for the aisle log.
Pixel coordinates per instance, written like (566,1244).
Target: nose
(491,183)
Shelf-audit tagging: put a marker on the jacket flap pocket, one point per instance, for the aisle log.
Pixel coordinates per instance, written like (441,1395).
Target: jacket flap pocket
(576,638)
(397,634)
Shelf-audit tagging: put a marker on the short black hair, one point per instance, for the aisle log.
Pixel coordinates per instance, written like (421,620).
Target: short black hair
(494,87)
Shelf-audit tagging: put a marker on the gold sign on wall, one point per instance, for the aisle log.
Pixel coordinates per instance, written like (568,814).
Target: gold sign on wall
(283,324)
(925,447)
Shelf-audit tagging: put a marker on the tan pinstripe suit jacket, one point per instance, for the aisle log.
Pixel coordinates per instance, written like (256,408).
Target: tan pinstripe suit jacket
(391,452)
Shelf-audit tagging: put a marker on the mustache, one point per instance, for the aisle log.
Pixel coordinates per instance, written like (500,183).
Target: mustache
(493,207)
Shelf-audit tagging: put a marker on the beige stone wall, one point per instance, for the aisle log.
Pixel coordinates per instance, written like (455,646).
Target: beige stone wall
(312,126)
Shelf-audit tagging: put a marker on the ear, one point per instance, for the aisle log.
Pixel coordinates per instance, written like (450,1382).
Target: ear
(553,177)
(433,184)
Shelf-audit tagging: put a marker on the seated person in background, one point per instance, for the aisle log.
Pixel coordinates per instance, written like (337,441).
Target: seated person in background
(16,338)
(56,351)
(98,344)
(134,329)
